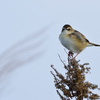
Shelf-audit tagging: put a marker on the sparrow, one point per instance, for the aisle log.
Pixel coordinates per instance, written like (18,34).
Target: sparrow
(73,40)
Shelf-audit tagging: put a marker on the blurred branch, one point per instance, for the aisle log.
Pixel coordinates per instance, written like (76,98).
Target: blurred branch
(25,51)
(73,84)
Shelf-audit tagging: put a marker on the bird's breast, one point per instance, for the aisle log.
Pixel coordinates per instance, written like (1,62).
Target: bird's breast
(71,44)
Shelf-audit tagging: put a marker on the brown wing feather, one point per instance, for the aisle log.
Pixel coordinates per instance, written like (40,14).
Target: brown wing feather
(80,37)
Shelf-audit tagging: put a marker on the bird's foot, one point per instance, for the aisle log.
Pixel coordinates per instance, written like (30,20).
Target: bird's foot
(70,53)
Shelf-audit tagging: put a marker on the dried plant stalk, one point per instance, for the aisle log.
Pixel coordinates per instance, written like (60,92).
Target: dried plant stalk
(73,84)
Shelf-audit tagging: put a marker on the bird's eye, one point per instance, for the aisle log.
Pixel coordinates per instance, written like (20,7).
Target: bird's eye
(68,29)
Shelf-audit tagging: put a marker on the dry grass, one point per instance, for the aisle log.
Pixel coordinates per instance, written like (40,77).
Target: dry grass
(73,84)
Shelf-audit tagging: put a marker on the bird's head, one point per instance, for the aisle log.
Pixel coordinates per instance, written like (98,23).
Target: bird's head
(67,28)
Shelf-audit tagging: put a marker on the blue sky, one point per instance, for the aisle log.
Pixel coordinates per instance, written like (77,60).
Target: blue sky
(23,19)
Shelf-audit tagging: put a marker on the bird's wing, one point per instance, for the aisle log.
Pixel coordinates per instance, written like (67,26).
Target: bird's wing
(76,35)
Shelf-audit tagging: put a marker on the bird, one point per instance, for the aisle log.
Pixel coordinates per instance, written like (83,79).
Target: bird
(73,40)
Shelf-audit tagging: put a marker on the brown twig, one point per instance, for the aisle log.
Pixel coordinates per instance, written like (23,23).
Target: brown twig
(73,84)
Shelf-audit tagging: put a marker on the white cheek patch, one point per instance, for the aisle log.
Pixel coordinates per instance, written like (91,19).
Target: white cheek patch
(65,32)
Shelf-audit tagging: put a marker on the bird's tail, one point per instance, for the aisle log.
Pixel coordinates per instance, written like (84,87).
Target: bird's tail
(93,44)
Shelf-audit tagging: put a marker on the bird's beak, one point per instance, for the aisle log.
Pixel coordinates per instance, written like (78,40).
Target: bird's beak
(63,29)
